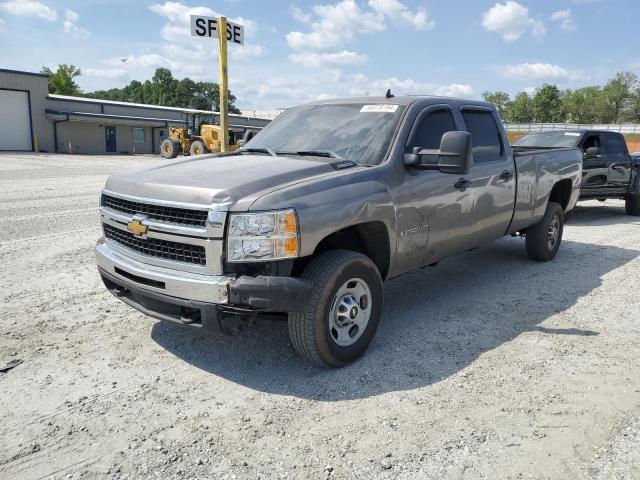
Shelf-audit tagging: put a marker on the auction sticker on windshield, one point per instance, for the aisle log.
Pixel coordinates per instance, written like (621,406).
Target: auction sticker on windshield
(379,108)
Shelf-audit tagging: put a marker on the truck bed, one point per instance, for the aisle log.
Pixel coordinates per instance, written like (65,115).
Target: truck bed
(537,170)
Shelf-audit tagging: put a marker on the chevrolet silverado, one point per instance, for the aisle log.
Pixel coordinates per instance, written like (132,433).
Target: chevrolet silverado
(309,217)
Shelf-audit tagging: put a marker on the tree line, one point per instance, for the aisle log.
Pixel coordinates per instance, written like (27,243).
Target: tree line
(161,89)
(616,102)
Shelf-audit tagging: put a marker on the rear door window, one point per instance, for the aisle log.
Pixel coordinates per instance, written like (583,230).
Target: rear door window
(485,136)
(614,146)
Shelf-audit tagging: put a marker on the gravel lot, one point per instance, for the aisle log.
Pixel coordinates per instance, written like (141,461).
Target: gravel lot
(486,366)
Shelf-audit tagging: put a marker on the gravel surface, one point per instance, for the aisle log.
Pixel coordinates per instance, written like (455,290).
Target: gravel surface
(486,366)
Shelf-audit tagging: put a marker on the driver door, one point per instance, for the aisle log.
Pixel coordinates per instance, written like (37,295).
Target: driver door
(435,218)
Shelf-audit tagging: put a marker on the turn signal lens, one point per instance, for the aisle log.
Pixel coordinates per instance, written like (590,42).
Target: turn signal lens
(290,247)
(288,223)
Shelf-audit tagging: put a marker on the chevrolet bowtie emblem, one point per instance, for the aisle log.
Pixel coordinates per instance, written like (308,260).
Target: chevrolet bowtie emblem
(137,228)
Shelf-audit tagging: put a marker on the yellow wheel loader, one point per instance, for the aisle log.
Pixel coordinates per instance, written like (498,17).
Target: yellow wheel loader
(180,141)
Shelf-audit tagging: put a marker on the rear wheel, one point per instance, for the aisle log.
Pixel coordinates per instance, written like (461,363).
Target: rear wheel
(197,148)
(169,148)
(632,205)
(544,238)
(343,311)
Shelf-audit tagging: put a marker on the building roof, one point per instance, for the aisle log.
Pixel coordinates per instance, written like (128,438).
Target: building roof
(113,118)
(96,101)
(20,72)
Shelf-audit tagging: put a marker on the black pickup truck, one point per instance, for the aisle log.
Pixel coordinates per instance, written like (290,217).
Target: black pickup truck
(608,171)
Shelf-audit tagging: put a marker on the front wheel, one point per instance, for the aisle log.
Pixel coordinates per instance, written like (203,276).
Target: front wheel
(543,239)
(632,205)
(343,311)
(169,148)
(197,148)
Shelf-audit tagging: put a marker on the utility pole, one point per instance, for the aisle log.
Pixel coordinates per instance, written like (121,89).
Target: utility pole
(223,90)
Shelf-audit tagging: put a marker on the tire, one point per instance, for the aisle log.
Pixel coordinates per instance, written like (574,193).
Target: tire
(169,148)
(632,205)
(197,148)
(326,332)
(540,245)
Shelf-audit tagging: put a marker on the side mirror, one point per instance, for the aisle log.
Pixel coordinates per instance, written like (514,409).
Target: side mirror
(454,156)
(248,135)
(592,152)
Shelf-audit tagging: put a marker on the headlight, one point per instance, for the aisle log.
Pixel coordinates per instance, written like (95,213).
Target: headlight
(262,236)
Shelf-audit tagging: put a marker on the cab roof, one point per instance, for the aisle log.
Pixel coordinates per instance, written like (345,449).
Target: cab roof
(402,100)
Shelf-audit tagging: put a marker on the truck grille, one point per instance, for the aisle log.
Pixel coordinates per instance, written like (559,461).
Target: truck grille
(180,216)
(179,252)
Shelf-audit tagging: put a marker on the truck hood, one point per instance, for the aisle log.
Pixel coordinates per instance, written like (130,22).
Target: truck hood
(234,181)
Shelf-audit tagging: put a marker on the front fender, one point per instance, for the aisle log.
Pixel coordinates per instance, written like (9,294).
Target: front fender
(332,203)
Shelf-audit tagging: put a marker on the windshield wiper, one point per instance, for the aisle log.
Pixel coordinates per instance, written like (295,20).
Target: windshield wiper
(268,151)
(319,153)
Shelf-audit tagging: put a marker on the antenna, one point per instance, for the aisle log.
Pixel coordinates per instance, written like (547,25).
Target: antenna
(389,94)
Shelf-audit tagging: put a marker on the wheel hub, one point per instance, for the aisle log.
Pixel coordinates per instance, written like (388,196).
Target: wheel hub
(350,312)
(553,233)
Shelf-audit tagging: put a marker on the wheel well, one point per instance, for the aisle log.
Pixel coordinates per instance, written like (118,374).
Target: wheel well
(561,193)
(370,239)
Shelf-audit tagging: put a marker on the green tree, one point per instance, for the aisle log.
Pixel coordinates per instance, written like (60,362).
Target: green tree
(148,93)
(547,104)
(164,86)
(521,110)
(134,92)
(62,80)
(633,112)
(501,100)
(582,105)
(163,89)
(185,92)
(616,95)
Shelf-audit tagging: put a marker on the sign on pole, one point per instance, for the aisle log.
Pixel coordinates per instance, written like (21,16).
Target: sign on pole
(210,27)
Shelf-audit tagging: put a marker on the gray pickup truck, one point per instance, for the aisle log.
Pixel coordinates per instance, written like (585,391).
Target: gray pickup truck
(332,198)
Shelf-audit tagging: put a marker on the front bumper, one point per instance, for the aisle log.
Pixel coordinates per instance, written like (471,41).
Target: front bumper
(195,299)
(165,281)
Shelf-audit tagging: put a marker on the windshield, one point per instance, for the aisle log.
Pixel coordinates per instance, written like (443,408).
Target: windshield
(356,132)
(549,139)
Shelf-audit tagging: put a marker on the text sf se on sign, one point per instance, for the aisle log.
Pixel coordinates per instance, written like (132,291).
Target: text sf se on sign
(208,27)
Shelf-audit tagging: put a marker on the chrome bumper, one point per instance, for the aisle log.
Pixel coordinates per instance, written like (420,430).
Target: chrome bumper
(179,284)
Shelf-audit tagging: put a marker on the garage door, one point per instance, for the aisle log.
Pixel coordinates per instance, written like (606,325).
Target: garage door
(15,125)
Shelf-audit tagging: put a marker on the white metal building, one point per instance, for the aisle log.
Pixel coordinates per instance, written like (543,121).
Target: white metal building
(31,118)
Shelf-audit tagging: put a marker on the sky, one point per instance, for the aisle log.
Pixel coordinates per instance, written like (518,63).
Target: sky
(305,50)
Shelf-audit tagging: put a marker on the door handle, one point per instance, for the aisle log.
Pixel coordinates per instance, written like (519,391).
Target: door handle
(463,184)
(506,175)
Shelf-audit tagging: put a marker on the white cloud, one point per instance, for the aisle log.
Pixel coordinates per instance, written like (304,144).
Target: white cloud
(565,19)
(71,16)
(400,13)
(536,71)
(69,25)
(299,15)
(511,20)
(184,55)
(281,92)
(108,73)
(338,22)
(29,8)
(318,60)
(178,27)
(409,86)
